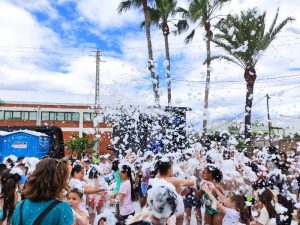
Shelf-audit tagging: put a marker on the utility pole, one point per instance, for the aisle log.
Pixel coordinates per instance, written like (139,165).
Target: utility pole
(97,84)
(97,98)
(269,119)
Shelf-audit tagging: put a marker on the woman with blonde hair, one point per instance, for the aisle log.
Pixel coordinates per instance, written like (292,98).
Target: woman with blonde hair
(42,193)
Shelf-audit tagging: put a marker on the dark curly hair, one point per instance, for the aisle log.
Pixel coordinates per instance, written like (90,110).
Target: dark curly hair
(216,173)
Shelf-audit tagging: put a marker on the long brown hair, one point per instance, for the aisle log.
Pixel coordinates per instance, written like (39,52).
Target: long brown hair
(9,184)
(266,198)
(48,180)
(241,207)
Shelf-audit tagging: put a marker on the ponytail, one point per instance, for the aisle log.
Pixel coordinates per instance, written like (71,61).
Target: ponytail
(127,169)
(245,215)
(132,190)
(242,208)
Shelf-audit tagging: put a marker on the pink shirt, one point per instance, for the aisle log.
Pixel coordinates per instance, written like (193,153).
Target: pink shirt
(126,206)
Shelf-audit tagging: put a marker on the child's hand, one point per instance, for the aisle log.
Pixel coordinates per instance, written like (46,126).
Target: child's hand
(205,188)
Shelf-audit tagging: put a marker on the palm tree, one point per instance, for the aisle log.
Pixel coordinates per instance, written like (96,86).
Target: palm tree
(127,5)
(160,16)
(201,12)
(245,38)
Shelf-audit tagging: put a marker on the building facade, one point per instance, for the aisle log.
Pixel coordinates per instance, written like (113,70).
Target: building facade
(73,119)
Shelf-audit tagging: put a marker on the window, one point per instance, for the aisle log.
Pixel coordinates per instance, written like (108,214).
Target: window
(87,117)
(17,116)
(68,116)
(1,115)
(7,115)
(25,115)
(60,116)
(52,116)
(32,116)
(75,116)
(45,116)
(57,116)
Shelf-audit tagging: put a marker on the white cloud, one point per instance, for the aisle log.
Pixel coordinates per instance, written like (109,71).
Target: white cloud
(104,14)
(42,6)
(123,78)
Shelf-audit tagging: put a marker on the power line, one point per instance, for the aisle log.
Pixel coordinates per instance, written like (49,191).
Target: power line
(235,81)
(238,115)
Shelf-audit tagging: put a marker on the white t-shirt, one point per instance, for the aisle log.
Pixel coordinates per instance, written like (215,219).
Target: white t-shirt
(264,218)
(232,217)
(126,206)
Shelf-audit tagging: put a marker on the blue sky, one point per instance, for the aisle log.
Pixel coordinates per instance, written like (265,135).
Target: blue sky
(46,47)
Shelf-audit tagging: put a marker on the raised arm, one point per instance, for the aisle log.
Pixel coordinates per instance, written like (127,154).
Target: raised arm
(212,197)
(219,193)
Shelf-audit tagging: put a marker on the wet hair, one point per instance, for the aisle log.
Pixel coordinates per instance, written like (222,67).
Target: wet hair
(76,169)
(2,168)
(226,155)
(23,167)
(9,184)
(127,170)
(10,162)
(76,191)
(215,172)
(162,167)
(93,173)
(20,158)
(242,208)
(266,198)
(283,154)
(162,201)
(276,181)
(285,217)
(48,180)
(115,165)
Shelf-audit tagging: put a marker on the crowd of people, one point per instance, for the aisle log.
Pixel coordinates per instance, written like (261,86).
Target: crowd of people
(214,186)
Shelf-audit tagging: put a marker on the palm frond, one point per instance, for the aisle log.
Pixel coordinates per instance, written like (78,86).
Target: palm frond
(154,15)
(280,26)
(224,57)
(184,13)
(269,37)
(190,37)
(198,10)
(124,6)
(142,25)
(182,26)
(274,22)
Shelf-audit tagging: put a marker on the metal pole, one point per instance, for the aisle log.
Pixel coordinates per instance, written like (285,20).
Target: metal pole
(269,119)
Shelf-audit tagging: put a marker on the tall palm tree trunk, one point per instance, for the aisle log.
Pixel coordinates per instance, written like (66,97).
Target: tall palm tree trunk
(208,54)
(154,77)
(250,77)
(166,32)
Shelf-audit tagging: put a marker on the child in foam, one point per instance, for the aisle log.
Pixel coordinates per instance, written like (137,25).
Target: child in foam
(126,193)
(106,218)
(212,174)
(163,202)
(74,198)
(235,209)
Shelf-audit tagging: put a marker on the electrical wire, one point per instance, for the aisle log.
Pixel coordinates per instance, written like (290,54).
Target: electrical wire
(238,115)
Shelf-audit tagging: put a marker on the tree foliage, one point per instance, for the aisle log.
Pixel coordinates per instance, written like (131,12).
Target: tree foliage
(80,144)
(244,37)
